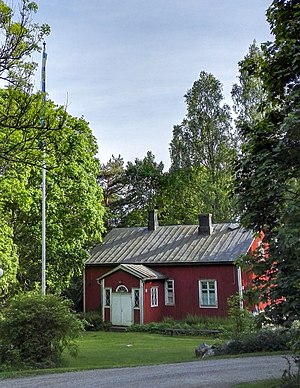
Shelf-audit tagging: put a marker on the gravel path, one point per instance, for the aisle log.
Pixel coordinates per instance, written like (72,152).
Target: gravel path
(203,373)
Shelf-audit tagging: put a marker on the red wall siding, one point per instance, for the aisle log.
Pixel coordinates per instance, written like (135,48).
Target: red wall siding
(92,288)
(187,289)
(121,277)
(106,314)
(153,314)
(136,316)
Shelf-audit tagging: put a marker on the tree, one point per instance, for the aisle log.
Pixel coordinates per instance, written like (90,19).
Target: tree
(20,111)
(9,257)
(111,182)
(268,172)
(205,140)
(182,195)
(74,204)
(143,181)
(249,96)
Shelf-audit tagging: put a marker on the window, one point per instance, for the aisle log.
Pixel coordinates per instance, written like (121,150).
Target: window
(208,293)
(121,288)
(169,292)
(107,297)
(154,296)
(136,298)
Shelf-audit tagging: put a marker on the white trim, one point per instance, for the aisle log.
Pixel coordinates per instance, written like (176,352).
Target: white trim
(142,302)
(133,298)
(240,286)
(103,297)
(83,281)
(122,288)
(154,296)
(167,303)
(209,306)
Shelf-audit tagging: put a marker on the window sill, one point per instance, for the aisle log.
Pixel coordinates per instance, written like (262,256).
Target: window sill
(208,307)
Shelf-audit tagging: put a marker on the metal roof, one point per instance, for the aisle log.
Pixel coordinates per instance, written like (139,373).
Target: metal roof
(180,244)
(137,270)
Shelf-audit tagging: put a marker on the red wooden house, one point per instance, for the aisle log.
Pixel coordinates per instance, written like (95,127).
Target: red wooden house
(143,274)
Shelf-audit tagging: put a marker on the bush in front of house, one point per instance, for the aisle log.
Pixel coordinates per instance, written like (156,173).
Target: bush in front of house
(156,327)
(192,324)
(35,329)
(265,340)
(204,322)
(92,321)
(241,320)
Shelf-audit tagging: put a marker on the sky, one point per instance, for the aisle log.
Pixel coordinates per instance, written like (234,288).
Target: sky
(125,65)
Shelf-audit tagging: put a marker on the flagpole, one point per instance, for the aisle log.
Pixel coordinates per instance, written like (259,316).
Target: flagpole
(44,59)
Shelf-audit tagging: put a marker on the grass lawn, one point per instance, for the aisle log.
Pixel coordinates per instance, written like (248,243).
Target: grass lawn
(109,349)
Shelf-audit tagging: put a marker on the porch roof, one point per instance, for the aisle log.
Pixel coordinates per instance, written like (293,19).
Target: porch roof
(138,270)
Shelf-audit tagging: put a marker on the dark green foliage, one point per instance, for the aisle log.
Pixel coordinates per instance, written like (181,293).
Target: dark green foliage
(35,329)
(92,321)
(110,178)
(193,324)
(261,341)
(129,192)
(241,319)
(268,171)
(205,143)
(205,322)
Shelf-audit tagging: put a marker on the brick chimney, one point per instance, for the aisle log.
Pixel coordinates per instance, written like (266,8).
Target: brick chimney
(205,224)
(152,220)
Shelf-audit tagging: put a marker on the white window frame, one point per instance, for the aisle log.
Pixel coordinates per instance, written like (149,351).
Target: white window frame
(169,292)
(154,296)
(208,282)
(121,288)
(134,291)
(105,299)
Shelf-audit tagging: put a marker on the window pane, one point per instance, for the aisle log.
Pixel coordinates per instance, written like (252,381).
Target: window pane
(107,297)
(136,298)
(154,296)
(212,299)
(205,298)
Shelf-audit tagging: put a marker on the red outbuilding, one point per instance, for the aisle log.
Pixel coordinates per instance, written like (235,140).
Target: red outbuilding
(143,274)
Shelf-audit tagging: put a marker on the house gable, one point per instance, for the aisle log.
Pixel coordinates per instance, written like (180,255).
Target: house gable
(137,270)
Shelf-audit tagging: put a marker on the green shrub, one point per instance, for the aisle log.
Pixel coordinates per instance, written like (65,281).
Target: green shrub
(92,321)
(242,320)
(261,341)
(35,329)
(170,323)
(204,322)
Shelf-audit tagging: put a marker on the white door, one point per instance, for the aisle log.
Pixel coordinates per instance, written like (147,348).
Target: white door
(121,309)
